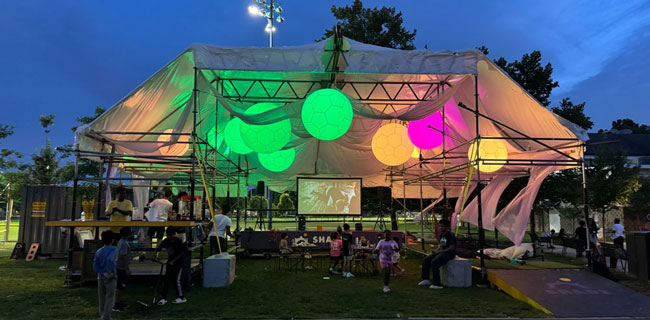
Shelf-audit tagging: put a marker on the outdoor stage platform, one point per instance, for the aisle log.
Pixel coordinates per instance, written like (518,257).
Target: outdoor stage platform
(571,293)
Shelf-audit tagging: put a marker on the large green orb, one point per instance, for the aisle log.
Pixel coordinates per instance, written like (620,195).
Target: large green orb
(327,114)
(277,161)
(233,137)
(265,138)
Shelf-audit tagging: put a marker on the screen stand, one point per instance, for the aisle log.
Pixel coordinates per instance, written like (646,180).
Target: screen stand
(381,222)
(259,221)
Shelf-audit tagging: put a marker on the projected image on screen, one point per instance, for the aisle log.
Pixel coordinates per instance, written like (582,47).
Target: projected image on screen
(329,196)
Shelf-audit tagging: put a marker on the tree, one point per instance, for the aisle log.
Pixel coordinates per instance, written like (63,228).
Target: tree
(611,182)
(286,204)
(99,110)
(8,158)
(574,113)
(46,122)
(45,165)
(86,167)
(639,205)
(382,27)
(623,124)
(483,49)
(531,76)
(16,180)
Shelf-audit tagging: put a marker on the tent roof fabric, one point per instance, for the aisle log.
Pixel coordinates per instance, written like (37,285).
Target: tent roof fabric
(384,85)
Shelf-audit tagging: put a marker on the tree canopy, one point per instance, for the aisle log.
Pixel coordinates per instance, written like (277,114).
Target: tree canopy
(627,123)
(611,182)
(574,113)
(382,27)
(531,75)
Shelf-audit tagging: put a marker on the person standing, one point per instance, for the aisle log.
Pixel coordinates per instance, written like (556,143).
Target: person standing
(581,236)
(173,268)
(346,251)
(122,262)
(440,257)
(158,211)
(119,209)
(617,233)
(335,252)
(104,266)
(220,227)
(387,248)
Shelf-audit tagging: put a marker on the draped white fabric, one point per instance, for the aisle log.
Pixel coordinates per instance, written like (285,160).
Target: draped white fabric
(513,219)
(489,199)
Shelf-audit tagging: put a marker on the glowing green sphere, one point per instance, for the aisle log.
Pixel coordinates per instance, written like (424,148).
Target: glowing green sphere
(233,137)
(277,161)
(265,138)
(327,114)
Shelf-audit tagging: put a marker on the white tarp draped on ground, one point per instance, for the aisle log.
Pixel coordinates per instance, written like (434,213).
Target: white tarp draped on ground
(163,104)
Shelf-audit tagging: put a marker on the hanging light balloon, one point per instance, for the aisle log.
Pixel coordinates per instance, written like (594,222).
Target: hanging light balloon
(265,138)
(491,149)
(327,114)
(424,137)
(277,161)
(391,144)
(177,149)
(233,137)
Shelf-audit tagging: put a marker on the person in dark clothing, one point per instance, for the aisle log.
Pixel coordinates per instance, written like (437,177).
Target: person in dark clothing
(439,257)
(581,234)
(346,251)
(176,251)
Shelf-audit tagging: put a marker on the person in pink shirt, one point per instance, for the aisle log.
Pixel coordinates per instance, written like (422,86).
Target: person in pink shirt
(335,252)
(386,247)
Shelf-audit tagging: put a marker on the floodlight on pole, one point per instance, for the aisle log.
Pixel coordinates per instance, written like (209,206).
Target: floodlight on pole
(270,9)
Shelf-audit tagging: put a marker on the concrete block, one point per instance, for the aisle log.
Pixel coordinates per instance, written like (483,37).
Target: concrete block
(218,270)
(456,273)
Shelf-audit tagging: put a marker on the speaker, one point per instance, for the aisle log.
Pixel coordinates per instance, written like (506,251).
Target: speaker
(638,253)
(302,223)
(260,188)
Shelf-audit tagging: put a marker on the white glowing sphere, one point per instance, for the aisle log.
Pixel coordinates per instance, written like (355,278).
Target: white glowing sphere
(489,149)
(391,144)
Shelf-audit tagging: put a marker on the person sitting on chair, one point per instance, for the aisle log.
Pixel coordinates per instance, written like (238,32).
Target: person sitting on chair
(440,257)
(285,250)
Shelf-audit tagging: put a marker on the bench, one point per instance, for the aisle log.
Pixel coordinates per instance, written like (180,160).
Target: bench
(456,273)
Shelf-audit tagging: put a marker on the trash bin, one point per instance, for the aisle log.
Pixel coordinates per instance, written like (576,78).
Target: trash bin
(638,253)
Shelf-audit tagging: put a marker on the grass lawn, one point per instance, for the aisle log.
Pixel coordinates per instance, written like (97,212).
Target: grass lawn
(33,290)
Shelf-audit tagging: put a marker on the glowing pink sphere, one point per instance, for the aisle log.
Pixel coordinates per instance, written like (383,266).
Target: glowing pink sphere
(424,137)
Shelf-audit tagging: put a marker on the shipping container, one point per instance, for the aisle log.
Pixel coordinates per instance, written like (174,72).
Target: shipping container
(42,203)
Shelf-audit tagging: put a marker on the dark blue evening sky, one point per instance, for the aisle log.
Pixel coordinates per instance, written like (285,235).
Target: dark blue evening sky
(65,57)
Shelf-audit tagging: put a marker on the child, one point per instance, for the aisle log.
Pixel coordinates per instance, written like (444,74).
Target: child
(335,252)
(386,247)
(175,253)
(285,250)
(346,239)
(122,260)
(104,265)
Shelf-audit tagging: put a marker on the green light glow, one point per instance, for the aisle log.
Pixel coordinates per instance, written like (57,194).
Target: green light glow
(277,161)
(265,138)
(233,137)
(327,114)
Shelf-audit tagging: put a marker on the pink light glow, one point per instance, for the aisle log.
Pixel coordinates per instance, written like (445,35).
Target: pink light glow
(424,137)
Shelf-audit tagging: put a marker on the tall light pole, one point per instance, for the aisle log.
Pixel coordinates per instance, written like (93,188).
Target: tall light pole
(271,10)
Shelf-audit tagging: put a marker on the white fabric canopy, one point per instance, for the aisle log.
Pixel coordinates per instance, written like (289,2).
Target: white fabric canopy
(164,104)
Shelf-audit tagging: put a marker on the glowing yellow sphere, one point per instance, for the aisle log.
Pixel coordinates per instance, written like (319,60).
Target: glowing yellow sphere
(489,149)
(391,144)
(177,149)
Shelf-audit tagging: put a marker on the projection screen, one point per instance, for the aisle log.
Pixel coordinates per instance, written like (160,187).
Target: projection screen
(329,196)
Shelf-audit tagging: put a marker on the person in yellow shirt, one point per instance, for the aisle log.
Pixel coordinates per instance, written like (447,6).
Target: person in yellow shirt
(119,209)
